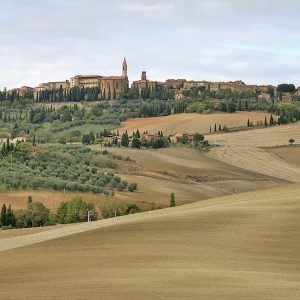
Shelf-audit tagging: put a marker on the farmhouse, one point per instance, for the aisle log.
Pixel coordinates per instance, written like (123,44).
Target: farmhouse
(179,136)
(149,136)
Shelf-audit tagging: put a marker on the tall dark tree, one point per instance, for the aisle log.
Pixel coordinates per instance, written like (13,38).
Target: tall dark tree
(286,88)
(240,105)
(271,120)
(172,200)
(125,139)
(10,218)
(266,123)
(3,215)
(138,135)
(246,105)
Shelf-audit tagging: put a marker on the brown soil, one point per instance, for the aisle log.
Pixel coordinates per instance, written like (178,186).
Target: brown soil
(191,122)
(290,154)
(243,246)
(245,149)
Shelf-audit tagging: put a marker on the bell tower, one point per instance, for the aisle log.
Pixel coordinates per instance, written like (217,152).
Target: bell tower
(144,76)
(124,68)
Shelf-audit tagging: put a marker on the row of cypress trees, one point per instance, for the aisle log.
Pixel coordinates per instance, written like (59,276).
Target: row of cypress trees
(7,217)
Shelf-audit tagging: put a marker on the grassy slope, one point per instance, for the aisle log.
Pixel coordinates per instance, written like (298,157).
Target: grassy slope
(240,246)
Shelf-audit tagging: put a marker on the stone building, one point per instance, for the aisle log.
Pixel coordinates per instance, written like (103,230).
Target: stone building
(114,86)
(195,83)
(22,91)
(240,87)
(234,86)
(178,136)
(86,81)
(55,85)
(297,93)
(174,83)
(286,97)
(144,82)
(110,86)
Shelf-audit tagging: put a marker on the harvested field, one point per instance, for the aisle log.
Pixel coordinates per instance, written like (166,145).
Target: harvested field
(191,122)
(184,161)
(51,199)
(190,174)
(11,233)
(159,190)
(245,149)
(290,154)
(243,246)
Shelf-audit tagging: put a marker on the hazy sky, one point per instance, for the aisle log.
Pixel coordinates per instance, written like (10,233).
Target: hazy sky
(257,41)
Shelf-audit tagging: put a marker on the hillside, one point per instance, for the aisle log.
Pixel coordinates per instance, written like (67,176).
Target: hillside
(245,149)
(191,122)
(240,246)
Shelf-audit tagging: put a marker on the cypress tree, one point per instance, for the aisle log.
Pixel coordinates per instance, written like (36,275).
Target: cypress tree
(240,105)
(138,135)
(109,94)
(3,215)
(125,139)
(271,121)
(4,151)
(248,123)
(10,218)
(29,201)
(172,200)
(266,123)
(215,127)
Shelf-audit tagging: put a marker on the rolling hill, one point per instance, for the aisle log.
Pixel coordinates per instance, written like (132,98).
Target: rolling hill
(242,246)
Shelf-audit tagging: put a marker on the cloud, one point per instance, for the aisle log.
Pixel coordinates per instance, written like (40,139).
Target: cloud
(256,41)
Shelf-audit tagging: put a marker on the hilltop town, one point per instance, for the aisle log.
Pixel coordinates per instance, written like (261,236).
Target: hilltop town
(116,87)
